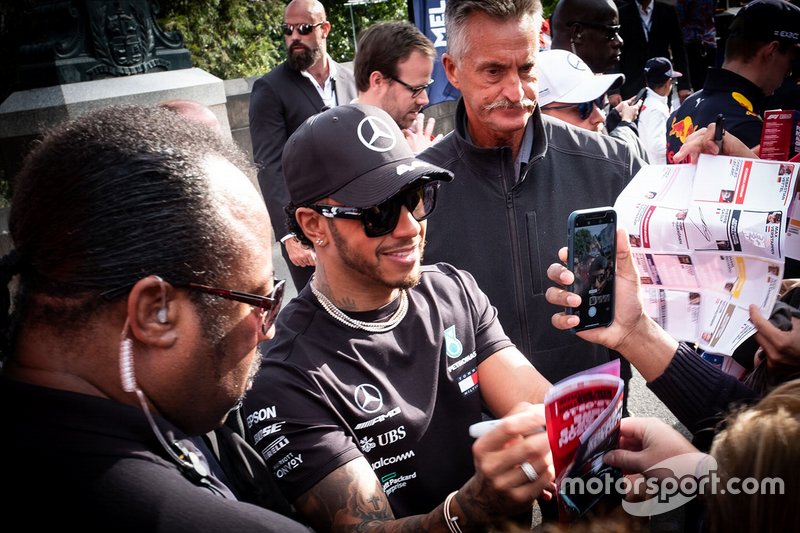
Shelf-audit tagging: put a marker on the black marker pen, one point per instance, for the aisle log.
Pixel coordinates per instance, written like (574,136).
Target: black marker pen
(719,131)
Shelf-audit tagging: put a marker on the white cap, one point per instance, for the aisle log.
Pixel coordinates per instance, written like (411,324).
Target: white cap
(564,77)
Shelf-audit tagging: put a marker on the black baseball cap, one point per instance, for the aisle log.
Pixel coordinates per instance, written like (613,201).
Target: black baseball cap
(767,20)
(355,154)
(658,69)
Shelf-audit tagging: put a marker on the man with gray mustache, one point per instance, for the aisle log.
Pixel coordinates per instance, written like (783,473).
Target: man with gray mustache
(518,175)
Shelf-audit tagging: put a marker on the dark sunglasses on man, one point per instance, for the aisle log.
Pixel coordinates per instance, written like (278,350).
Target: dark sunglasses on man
(303,29)
(611,30)
(266,306)
(420,200)
(585,109)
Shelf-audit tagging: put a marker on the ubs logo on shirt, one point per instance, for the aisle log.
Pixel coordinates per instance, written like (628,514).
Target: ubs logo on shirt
(367,444)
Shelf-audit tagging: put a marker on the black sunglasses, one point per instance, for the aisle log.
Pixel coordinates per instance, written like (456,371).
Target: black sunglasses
(303,29)
(612,30)
(584,108)
(268,305)
(415,91)
(383,218)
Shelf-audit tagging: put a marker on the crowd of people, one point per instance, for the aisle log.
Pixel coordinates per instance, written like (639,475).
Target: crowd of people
(153,378)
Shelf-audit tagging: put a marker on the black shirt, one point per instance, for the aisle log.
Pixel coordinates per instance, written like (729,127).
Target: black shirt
(739,100)
(77,462)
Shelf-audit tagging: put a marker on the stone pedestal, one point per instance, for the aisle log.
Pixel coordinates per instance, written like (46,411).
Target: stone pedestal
(26,114)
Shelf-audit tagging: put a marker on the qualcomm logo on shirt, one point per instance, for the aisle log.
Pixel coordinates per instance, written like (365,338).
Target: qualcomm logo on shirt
(386,461)
(451,343)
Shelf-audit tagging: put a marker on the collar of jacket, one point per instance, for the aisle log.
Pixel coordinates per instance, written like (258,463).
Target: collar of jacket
(724,80)
(493,154)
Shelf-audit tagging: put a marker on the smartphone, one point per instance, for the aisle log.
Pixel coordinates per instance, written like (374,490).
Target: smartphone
(639,96)
(592,254)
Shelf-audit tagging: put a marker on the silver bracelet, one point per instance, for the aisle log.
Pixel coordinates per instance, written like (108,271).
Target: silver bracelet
(451,521)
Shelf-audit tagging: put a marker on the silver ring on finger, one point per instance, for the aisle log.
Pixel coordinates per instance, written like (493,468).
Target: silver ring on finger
(529,471)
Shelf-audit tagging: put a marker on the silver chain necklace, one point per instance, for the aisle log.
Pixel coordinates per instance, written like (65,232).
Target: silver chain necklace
(372,327)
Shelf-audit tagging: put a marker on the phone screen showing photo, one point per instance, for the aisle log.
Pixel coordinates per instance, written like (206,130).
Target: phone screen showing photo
(592,250)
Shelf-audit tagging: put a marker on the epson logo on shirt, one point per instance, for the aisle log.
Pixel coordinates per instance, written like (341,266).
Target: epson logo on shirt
(261,414)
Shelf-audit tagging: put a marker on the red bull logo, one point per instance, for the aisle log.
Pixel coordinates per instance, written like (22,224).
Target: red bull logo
(682,129)
(745,103)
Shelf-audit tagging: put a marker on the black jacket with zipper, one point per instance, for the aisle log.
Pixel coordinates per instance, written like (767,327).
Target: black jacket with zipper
(506,232)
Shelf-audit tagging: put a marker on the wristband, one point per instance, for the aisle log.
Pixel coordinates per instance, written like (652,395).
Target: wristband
(450,520)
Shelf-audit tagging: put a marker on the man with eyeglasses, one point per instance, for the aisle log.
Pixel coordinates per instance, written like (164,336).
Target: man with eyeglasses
(303,85)
(590,30)
(393,68)
(139,286)
(519,174)
(380,365)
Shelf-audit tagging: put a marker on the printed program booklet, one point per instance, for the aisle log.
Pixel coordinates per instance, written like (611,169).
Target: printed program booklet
(583,414)
(709,239)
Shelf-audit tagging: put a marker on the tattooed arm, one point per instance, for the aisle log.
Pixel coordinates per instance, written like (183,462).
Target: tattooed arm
(351,497)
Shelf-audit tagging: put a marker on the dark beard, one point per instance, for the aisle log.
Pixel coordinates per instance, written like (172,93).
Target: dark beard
(359,264)
(303,60)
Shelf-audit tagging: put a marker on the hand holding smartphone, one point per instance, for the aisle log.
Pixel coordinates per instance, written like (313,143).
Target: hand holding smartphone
(639,96)
(592,259)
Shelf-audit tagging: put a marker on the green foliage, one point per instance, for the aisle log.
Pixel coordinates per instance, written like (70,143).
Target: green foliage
(242,38)
(228,38)
(548,7)
(347,20)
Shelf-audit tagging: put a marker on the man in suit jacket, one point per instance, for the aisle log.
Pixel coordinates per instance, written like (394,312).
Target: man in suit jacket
(308,81)
(650,29)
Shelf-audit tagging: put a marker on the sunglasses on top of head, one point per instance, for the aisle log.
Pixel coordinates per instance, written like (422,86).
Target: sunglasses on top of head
(585,109)
(611,30)
(381,219)
(303,29)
